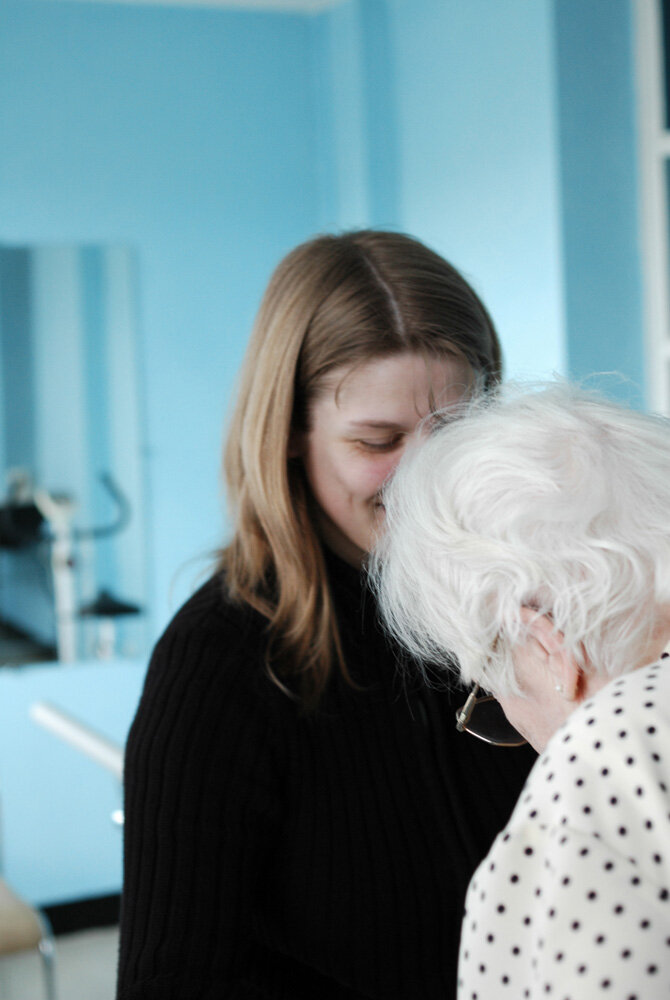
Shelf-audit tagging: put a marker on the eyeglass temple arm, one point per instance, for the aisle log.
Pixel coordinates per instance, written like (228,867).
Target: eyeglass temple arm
(463,716)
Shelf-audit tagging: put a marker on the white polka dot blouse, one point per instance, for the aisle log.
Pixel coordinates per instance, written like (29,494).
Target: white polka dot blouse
(573,900)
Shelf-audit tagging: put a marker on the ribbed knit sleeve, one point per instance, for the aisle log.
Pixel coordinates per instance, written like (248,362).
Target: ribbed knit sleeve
(201,811)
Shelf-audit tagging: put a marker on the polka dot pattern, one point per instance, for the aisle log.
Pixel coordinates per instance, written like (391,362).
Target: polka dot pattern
(573,900)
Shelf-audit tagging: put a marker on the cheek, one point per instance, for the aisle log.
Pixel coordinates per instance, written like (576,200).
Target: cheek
(379,470)
(364,475)
(341,479)
(346,471)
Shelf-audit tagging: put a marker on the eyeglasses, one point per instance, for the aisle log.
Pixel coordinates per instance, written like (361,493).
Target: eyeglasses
(483,717)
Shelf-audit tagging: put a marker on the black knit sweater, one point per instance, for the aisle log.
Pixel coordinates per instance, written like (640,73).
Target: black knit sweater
(270,853)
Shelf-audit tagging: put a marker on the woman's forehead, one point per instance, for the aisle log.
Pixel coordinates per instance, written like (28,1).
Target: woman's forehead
(396,379)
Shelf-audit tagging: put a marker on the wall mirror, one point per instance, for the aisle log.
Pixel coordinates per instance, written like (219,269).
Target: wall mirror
(73,566)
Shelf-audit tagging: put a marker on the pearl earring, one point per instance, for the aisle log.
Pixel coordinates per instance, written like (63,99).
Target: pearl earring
(559,688)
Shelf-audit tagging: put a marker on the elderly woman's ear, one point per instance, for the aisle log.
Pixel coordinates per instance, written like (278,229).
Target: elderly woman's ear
(547,649)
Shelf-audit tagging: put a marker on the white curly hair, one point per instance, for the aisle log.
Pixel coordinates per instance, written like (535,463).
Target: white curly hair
(546,497)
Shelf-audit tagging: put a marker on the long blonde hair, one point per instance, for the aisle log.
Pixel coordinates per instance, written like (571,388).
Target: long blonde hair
(333,301)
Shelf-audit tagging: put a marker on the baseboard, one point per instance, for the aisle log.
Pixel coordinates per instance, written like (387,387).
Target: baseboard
(83,914)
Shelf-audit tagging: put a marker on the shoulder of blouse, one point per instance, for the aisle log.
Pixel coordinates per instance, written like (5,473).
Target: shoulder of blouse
(613,737)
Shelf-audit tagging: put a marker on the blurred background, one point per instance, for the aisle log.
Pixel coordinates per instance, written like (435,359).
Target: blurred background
(156,161)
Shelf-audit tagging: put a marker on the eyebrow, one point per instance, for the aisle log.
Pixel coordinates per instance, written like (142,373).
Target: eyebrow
(376,424)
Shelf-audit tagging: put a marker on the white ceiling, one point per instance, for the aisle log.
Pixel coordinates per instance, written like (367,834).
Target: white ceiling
(303,6)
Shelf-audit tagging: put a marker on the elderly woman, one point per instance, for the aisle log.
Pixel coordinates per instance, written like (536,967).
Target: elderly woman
(528,549)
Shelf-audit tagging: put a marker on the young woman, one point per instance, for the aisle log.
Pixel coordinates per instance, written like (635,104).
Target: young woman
(300,821)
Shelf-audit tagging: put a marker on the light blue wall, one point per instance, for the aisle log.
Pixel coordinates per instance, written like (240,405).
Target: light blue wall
(442,115)
(477,123)
(188,135)
(600,196)
(358,152)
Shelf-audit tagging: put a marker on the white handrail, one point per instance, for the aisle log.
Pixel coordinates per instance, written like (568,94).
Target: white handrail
(79,736)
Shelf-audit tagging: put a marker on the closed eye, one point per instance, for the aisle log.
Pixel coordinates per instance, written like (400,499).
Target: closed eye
(388,444)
